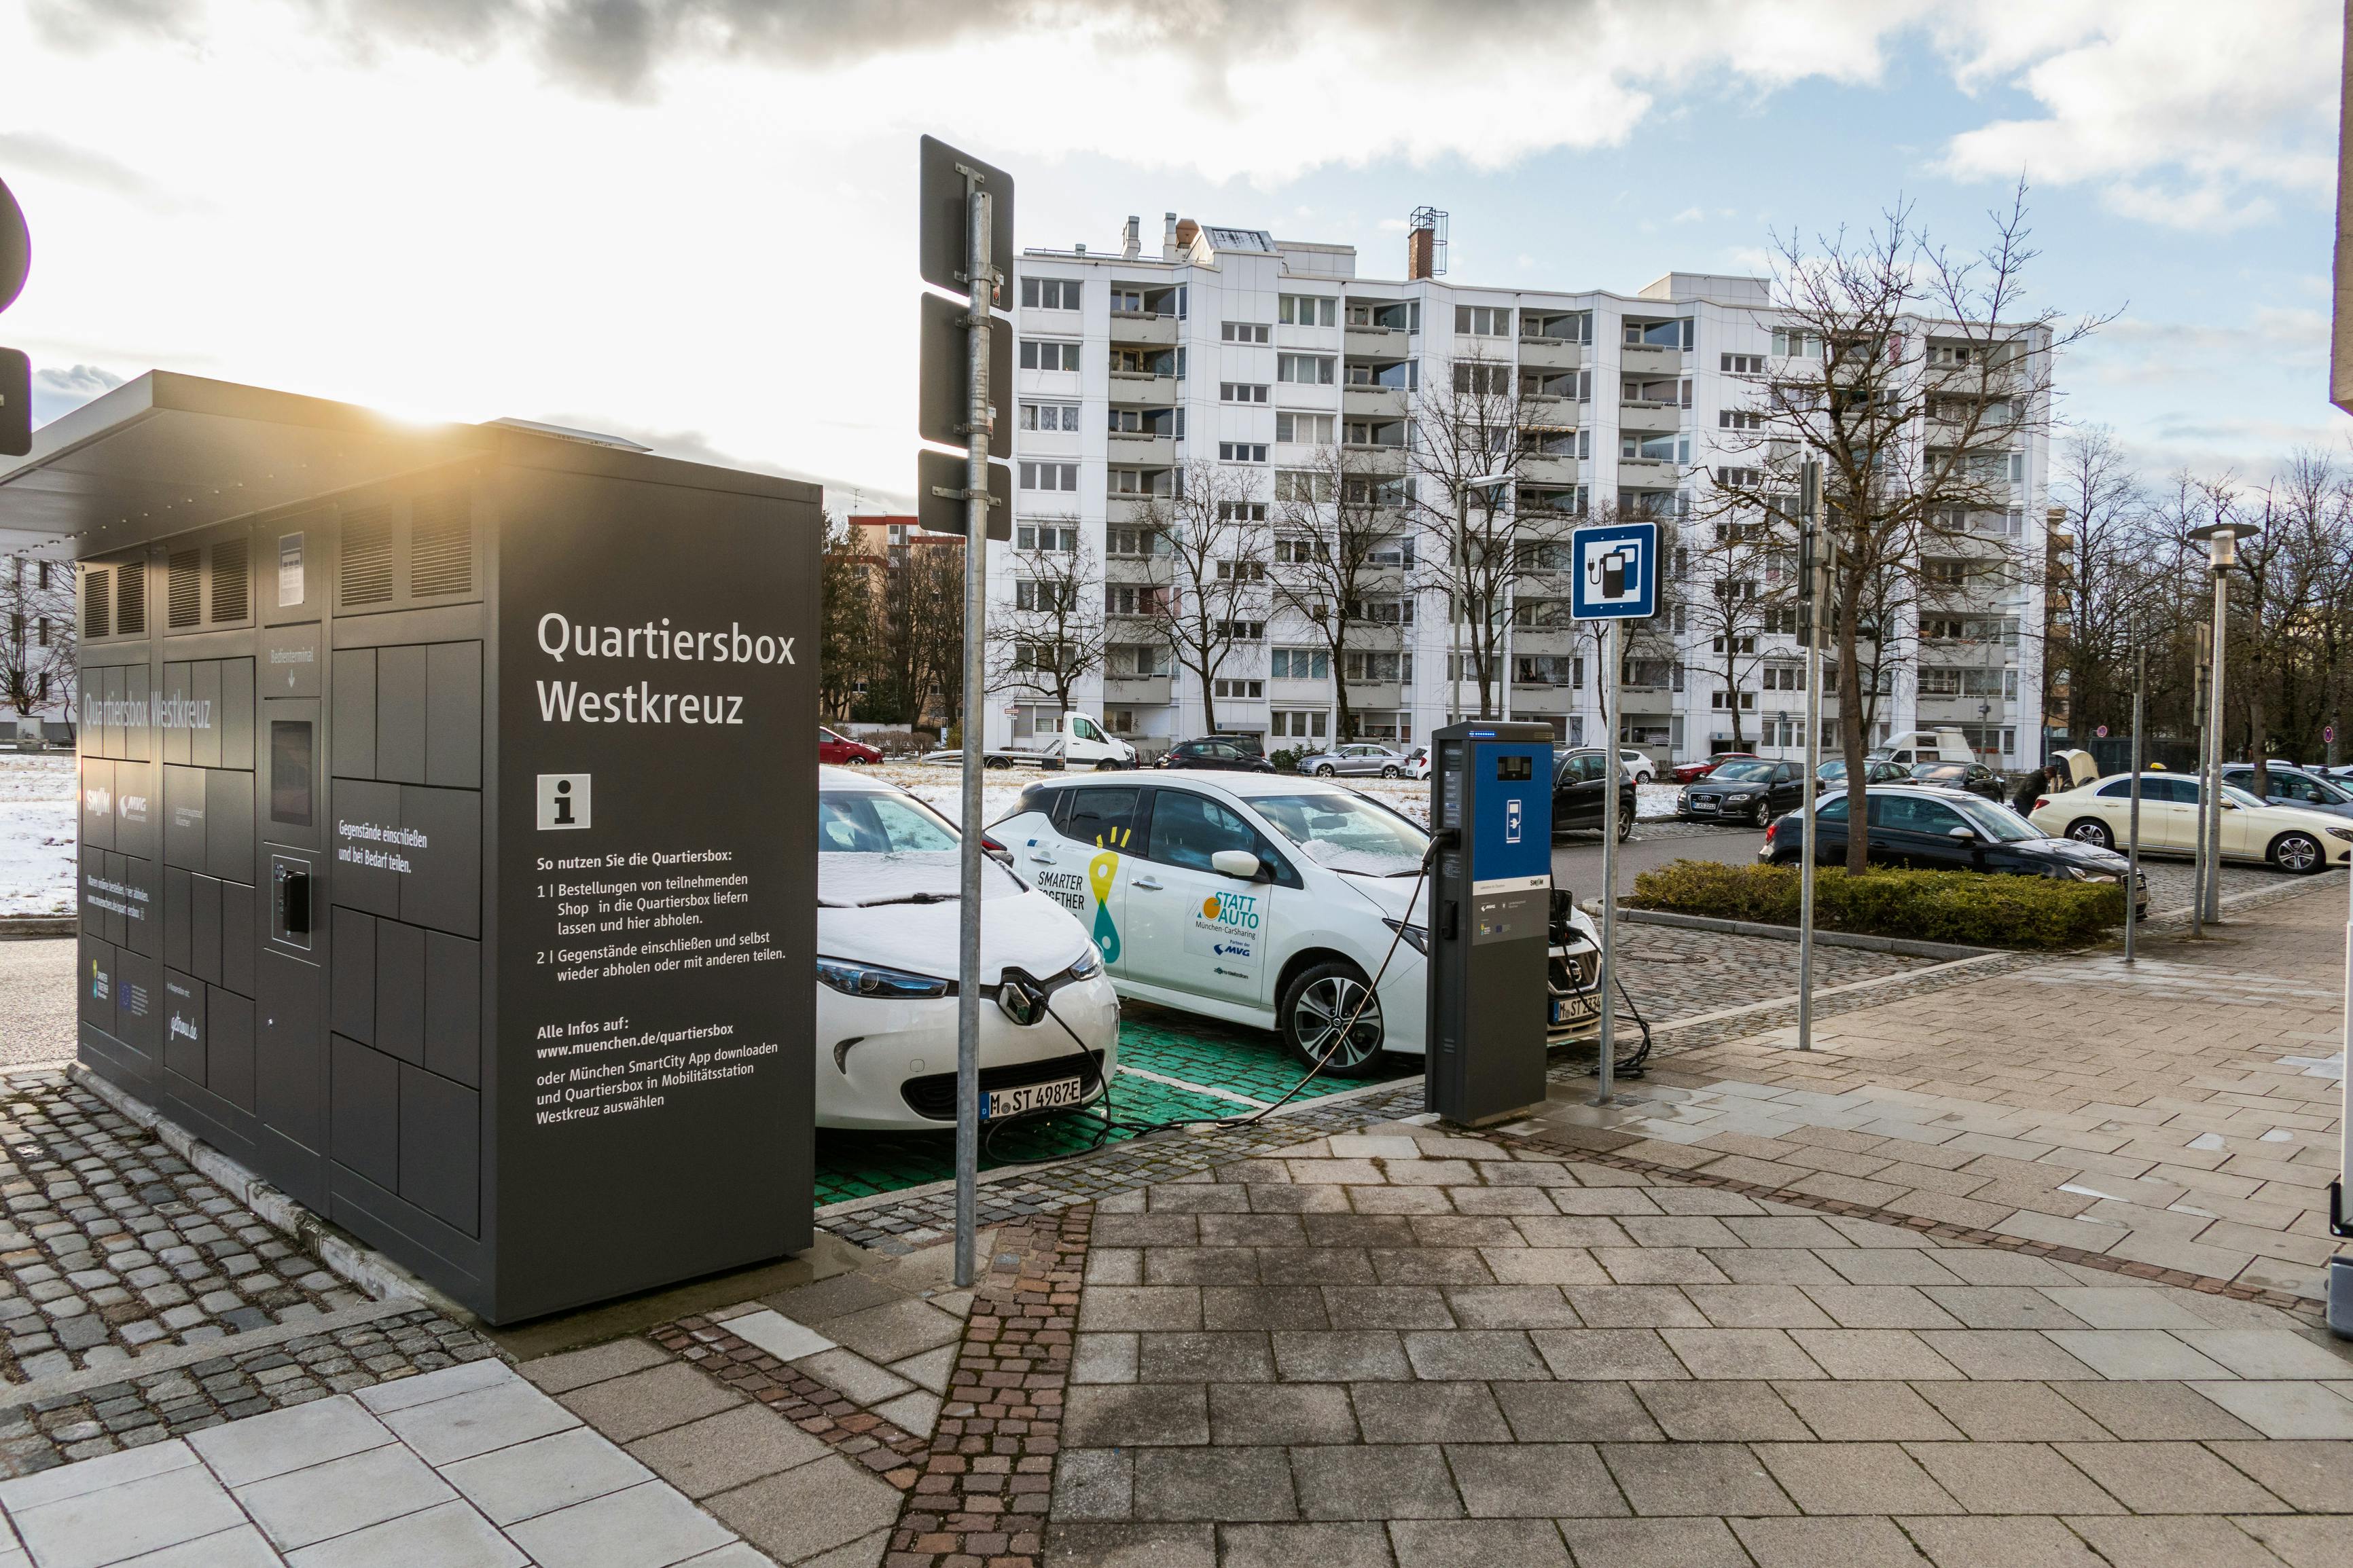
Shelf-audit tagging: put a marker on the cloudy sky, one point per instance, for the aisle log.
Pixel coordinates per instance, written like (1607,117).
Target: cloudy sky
(691,220)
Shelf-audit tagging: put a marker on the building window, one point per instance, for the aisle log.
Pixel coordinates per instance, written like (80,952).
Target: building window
(1739,420)
(1743,364)
(1224,685)
(1785,678)
(1046,353)
(1051,294)
(1377,667)
(1723,700)
(1483,320)
(1050,475)
(1135,542)
(1738,478)
(1137,662)
(1305,370)
(1793,342)
(1242,512)
(1301,664)
(1242,571)
(1299,723)
(1310,311)
(1240,392)
(1304,429)
(1382,612)
(1746,643)
(1242,332)
(1049,417)
(1133,599)
(1057,538)
(1140,482)
(1046,596)
(1243,631)
(1241,451)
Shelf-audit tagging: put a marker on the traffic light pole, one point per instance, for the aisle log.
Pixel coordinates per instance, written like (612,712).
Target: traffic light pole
(982,275)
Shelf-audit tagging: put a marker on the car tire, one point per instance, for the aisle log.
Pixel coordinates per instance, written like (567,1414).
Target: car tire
(1105,765)
(996,762)
(1762,815)
(1318,999)
(1326,770)
(1625,827)
(1389,773)
(2298,852)
(2091,830)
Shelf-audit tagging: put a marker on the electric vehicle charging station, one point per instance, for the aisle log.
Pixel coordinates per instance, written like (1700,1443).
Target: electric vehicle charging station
(1489,921)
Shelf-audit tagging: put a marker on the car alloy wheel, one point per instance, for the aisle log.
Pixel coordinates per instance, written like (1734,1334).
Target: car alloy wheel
(1764,812)
(1105,765)
(2093,831)
(1389,771)
(1315,1005)
(1325,770)
(2296,852)
(1625,826)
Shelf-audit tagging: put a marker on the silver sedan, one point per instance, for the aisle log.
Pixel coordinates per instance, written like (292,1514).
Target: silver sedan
(1358,759)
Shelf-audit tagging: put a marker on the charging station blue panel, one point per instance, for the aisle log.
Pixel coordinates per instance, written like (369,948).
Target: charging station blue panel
(1511,829)
(1617,571)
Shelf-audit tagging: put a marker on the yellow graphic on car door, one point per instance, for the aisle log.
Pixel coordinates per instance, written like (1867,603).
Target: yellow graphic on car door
(1103,871)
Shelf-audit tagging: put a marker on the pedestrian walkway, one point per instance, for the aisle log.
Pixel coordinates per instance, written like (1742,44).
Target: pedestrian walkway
(1409,1348)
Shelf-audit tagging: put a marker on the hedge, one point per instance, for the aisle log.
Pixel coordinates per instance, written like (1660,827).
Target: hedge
(1977,908)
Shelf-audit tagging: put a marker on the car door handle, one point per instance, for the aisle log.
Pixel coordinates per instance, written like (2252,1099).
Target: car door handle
(1147,883)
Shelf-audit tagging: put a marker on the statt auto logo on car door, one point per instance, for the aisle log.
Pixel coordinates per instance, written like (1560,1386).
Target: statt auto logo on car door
(1224,931)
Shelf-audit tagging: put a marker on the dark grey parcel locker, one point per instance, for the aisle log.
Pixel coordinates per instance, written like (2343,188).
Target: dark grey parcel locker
(443,830)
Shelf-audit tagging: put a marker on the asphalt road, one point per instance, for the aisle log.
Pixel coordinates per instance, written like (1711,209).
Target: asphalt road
(37,1002)
(1576,860)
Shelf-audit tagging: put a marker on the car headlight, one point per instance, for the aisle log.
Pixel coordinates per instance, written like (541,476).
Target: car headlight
(1739,797)
(872,980)
(1086,965)
(1418,935)
(2344,833)
(2085,874)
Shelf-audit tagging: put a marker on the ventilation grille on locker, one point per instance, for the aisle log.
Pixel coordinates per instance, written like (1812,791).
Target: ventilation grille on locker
(94,622)
(131,599)
(184,589)
(440,546)
(366,577)
(232,587)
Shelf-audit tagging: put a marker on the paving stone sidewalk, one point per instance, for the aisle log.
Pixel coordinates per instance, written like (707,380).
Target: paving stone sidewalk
(2181,1113)
(1409,1349)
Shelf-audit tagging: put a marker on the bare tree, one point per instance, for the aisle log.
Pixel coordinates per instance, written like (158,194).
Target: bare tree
(2282,571)
(38,660)
(1341,545)
(1215,530)
(1053,634)
(1918,377)
(1740,575)
(921,657)
(1467,428)
(849,590)
(2103,580)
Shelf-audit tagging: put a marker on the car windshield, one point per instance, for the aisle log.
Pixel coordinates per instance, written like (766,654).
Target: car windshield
(1998,823)
(1743,773)
(2238,796)
(1832,771)
(875,848)
(1344,832)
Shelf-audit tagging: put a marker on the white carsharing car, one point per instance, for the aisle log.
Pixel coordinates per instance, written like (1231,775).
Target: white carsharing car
(1262,900)
(887,944)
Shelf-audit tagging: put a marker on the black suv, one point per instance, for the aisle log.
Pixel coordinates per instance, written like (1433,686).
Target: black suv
(1232,753)
(1926,828)
(1753,792)
(1577,802)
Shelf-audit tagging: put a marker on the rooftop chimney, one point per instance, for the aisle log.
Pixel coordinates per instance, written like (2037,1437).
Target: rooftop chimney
(1169,237)
(1186,229)
(1131,245)
(1425,244)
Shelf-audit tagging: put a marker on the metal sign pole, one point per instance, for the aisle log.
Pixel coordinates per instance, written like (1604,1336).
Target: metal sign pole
(2131,841)
(2211,786)
(1811,485)
(1606,1070)
(982,275)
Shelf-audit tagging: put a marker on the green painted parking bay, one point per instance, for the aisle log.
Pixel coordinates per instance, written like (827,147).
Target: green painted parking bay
(1171,1066)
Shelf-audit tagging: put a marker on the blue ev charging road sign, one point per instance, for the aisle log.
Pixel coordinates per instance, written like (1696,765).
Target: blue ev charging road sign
(1617,571)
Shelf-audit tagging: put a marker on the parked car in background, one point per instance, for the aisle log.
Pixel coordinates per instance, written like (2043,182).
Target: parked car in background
(1686,771)
(1874,773)
(1974,777)
(888,906)
(1265,901)
(1946,745)
(1930,829)
(1217,751)
(1744,790)
(1358,759)
(1418,763)
(1579,801)
(1639,765)
(2288,786)
(2291,838)
(840,751)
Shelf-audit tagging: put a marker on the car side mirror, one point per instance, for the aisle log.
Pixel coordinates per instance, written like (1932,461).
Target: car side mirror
(1238,864)
(1969,833)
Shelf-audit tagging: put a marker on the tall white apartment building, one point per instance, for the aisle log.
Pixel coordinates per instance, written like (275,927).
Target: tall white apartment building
(1229,346)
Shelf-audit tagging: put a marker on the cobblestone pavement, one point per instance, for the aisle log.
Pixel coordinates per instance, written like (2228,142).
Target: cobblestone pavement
(111,1243)
(1409,1349)
(2180,1113)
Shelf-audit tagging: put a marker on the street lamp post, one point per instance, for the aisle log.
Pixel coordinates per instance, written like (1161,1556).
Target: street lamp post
(2221,542)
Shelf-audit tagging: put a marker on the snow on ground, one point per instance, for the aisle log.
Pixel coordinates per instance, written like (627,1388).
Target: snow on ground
(37,834)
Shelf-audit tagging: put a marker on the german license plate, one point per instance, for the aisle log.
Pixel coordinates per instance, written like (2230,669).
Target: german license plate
(1574,1009)
(1020,1101)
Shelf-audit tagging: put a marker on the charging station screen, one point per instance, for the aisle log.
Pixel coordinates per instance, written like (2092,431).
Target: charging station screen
(1516,770)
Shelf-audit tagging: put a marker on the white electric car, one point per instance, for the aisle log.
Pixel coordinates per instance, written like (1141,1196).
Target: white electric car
(886,966)
(1262,899)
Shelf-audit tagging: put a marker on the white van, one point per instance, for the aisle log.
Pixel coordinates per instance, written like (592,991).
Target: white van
(1945,745)
(1079,742)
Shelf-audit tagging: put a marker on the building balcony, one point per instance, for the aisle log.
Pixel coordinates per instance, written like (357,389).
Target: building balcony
(1131,509)
(1649,419)
(1150,689)
(1545,469)
(1547,408)
(1158,569)
(1542,697)
(1375,342)
(1130,389)
(1372,402)
(1551,353)
(1130,449)
(1363,694)
(1148,327)
(1634,361)
(1647,474)
(1377,459)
